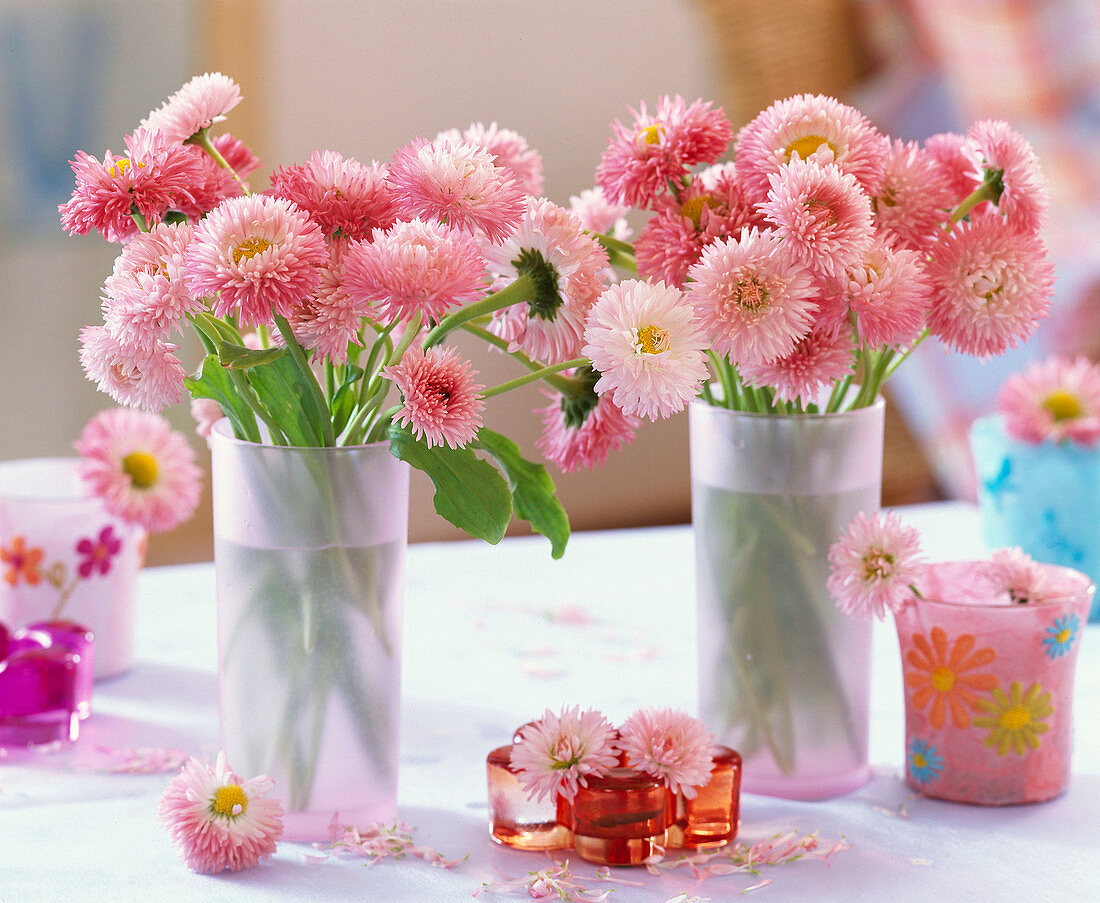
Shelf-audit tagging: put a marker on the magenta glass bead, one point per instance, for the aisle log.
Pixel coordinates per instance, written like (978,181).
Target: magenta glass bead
(78,639)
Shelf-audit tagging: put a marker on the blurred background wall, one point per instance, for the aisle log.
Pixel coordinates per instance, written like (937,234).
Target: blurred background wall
(363,77)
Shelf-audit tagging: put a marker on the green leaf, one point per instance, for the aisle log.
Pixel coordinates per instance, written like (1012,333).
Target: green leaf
(532,489)
(469,492)
(345,399)
(237,357)
(213,381)
(279,384)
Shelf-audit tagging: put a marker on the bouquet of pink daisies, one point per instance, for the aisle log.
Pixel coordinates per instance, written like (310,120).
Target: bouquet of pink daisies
(825,252)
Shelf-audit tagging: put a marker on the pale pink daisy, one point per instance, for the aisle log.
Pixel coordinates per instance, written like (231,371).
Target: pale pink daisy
(640,160)
(441,403)
(217,821)
(511,150)
(888,294)
(819,358)
(219,183)
(643,339)
(752,300)
(149,377)
(915,198)
(257,256)
(414,267)
(346,198)
(991,286)
(204,100)
(669,745)
(1008,161)
(146,295)
(556,754)
(458,184)
(874,564)
(599,214)
(1016,574)
(822,213)
(154,177)
(579,432)
(205,412)
(955,157)
(566,268)
(1054,400)
(142,469)
(811,127)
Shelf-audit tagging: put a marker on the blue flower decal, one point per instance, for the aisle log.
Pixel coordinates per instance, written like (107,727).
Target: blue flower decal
(925,764)
(1061,634)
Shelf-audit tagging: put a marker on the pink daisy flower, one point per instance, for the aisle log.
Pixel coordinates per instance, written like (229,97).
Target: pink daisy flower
(258,255)
(1008,159)
(346,198)
(991,284)
(598,214)
(329,321)
(671,746)
(643,339)
(566,266)
(822,213)
(811,127)
(955,157)
(217,821)
(819,358)
(414,266)
(579,432)
(1014,573)
(146,295)
(512,153)
(874,565)
(149,377)
(640,161)
(142,469)
(440,400)
(200,103)
(458,184)
(155,176)
(556,754)
(1055,400)
(915,198)
(218,183)
(752,300)
(206,412)
(887,292)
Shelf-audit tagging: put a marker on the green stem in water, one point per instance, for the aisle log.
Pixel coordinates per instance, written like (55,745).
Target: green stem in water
(522,289)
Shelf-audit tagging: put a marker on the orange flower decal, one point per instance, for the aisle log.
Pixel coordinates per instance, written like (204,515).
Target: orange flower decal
(21,561)
(940,676)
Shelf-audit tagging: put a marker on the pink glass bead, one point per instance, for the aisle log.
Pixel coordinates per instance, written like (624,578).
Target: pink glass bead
(711,818)
(515,820)
(620,818)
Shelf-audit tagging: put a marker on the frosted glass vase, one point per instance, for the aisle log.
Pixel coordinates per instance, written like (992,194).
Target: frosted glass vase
(783,675)
(310,556)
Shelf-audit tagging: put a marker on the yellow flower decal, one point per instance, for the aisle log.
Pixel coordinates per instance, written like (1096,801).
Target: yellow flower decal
(1015,719)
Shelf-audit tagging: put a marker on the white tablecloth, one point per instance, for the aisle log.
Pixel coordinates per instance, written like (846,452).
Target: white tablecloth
(493,635)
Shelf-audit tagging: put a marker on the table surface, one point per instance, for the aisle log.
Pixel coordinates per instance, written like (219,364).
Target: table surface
(494,635)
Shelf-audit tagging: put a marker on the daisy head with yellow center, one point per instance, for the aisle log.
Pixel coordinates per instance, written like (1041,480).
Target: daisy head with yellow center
(1055,400)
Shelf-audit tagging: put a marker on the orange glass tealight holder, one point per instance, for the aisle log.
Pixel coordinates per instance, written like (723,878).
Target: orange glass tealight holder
(515,820)
(619,819)
(712,817)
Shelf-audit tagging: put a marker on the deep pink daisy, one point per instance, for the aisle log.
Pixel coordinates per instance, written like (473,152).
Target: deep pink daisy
(146,295)
(875,563)
(556,754)
(510,150)
(149,377)
(643,339)
(1008,160)
(671,746)
(819,358)
(346,198)
(458,184)
(751,299)
(578,433)
(414,266)
(812,127)
(822,213)
(142,469)
(200,103)
(218,183)
(219,822)
(598,214)
(566,266)
(441,403)
(255,256)
(991,284)
(1055,400)
(155,176)
(329,320)
(915,198)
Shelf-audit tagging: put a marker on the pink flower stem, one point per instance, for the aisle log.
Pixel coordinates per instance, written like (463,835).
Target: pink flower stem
(984,192)
(533,376)
(201,139)
(564,384)
(518,291)
(619,253)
